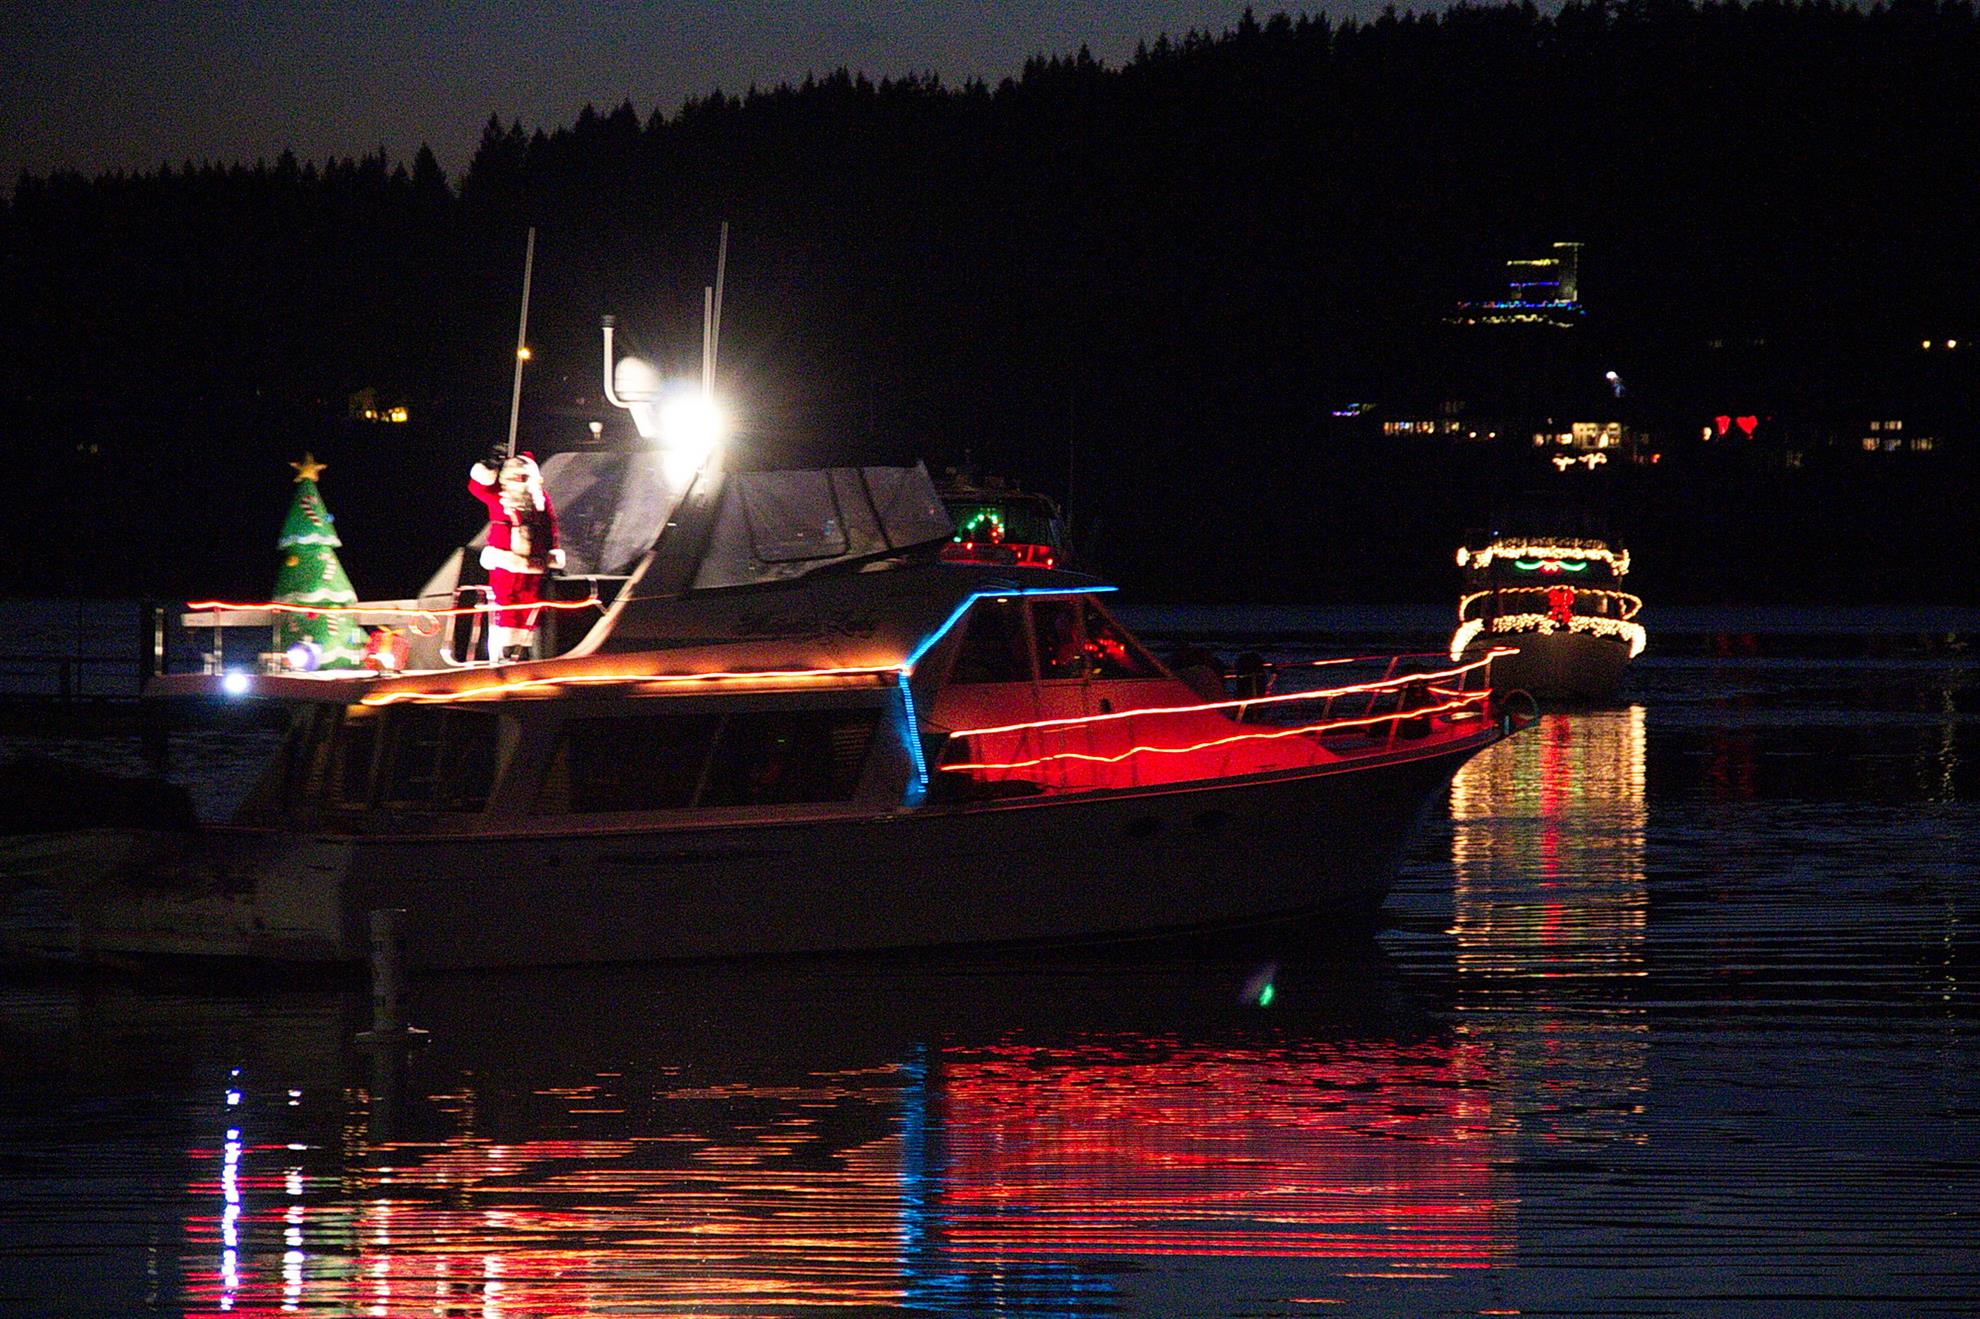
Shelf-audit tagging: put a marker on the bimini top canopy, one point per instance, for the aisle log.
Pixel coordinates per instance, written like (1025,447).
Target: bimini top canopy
(883,619)
(772,526)
(767,526)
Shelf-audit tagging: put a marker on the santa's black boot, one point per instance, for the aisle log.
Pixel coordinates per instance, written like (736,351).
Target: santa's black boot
(514,654)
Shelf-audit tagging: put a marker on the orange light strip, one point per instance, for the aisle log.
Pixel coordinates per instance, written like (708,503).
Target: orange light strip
(1386,684)
(1274,735)
(272,607)
(490,691)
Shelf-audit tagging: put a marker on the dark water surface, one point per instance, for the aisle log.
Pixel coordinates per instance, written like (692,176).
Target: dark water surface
(1676,1015)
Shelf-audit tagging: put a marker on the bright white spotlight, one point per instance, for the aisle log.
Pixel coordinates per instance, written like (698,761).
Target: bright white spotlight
(235,684)
(692,425)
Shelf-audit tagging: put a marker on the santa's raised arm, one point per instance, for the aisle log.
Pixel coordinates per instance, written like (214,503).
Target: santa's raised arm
(522,546)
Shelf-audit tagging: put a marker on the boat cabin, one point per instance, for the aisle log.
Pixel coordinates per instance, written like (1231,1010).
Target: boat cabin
(997,523)
(793,647)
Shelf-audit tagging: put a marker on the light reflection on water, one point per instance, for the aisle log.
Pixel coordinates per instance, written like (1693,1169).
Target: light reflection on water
(1676,1016)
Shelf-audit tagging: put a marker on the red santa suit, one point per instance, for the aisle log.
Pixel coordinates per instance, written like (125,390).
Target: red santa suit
(522,546)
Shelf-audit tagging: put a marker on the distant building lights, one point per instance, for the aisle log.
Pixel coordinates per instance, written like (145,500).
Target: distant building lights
(1926,345)
(1952,343)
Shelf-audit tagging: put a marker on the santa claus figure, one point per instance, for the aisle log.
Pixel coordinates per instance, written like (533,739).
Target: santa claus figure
(522,546)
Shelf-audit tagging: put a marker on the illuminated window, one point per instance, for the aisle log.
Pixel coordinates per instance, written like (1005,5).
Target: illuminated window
(1055,628)
(1869,444)
(1110,651)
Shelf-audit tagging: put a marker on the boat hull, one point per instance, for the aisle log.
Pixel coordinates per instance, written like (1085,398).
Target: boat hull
(1315,844)
(1563,667)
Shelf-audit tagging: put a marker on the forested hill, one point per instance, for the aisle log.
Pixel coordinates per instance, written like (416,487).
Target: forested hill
(1168,273)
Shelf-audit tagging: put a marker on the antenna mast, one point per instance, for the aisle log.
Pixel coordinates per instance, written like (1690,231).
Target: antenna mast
(522,340)
(711,316)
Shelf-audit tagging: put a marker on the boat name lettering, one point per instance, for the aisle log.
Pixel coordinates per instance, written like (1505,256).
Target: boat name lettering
(786,625)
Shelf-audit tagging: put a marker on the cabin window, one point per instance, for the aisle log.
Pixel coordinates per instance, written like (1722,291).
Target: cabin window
(440,759)
(1109,649)
(782,757)
(993,645)
(351,751)
(794,517)
(1055,625)
(673,762)
(628,763)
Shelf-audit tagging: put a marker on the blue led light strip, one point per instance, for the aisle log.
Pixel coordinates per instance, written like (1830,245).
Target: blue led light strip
(913,730)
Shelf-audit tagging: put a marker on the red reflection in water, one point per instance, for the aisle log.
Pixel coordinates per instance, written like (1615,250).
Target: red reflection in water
(1377,1151)
(856,1191)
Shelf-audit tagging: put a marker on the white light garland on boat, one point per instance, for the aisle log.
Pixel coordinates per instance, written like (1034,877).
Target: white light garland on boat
(1631,604)
(1588,624)
(1544,549)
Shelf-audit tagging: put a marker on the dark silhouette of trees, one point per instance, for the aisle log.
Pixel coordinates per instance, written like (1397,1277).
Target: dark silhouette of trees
(1177,268)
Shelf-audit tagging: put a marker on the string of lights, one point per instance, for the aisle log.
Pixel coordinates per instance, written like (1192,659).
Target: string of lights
(1563,550)
(1263,735)
(1632,604)
(1324,693)
(495,690)
(460,611)
(1546,625)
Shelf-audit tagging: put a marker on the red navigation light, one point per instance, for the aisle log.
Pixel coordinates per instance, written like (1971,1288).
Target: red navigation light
(1005,554)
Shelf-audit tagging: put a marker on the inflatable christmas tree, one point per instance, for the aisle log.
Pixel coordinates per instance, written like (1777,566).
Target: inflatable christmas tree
(311,575)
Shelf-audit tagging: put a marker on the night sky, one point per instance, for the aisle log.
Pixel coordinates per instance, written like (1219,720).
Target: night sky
(104,84)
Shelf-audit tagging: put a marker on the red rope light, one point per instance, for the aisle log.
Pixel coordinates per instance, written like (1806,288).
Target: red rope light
(1385,684)
(1274,735)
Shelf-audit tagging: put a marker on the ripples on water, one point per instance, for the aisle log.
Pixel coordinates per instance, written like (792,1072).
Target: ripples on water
(1675,1016)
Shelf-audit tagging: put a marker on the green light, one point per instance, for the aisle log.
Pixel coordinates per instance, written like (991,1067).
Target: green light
(1267,994)
(972,521)
(1564,565)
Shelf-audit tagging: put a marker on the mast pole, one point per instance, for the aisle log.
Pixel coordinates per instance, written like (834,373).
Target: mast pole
(522,340)
(715,319)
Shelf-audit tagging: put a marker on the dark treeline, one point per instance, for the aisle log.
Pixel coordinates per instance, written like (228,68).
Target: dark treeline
(1152,283)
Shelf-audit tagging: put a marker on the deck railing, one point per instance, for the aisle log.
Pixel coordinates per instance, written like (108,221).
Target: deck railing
(1358,716)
